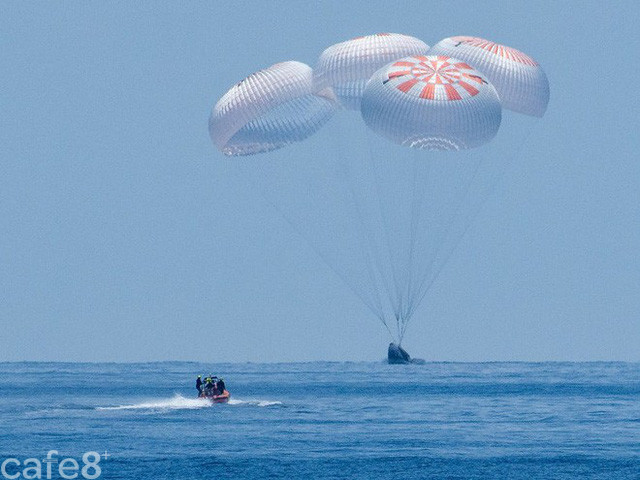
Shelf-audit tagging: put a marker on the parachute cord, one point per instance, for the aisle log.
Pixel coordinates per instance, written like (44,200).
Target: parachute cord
(415,216)
(433,230)
(421,292)
(378,313)
(393,339)
(428,182)
(473,216)
(359,214)
(365,238)
(367,245)
(448,255)
(396,305)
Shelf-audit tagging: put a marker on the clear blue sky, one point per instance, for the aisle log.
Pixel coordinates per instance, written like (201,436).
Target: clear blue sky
(124,236)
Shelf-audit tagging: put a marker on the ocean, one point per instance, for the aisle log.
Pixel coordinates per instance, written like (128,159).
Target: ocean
(326,420)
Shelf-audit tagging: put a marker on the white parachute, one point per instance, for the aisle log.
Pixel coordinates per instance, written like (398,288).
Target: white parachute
(347,66)
(270,109)
(384,201)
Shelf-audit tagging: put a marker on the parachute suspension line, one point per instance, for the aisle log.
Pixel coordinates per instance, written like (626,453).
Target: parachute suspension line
(396,305)
(395,301)
(437,244)
(366,244)
(377,312)
(416,204)
(365,238)
(450,253)
(496,176)
(438,236)
(433,189)
(393,338)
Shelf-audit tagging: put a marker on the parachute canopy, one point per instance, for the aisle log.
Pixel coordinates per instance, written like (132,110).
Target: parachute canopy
(432,102)
(521,83)
(270,109)
(384,218)
(346,67)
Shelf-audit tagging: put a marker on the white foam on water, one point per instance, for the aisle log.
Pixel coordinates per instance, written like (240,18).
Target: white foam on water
(176,403)
(182,403)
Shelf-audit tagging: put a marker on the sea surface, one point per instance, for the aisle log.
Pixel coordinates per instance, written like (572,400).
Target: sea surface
(329,420)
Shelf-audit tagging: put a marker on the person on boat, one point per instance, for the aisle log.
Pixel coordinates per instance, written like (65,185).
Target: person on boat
(214,381)
(208,385)
(199,384)
(221,386)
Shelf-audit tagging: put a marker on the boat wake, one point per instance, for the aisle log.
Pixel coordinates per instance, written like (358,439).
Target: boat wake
(179,402)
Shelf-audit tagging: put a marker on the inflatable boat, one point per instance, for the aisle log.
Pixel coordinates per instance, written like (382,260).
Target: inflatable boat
(221,398)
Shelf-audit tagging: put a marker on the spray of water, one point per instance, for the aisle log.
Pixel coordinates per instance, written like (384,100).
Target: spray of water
(178,402)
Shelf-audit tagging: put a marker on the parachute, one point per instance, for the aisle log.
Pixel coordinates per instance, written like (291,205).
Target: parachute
(347,67)
(521,83)
(270,109)
(384,200)
(432,102)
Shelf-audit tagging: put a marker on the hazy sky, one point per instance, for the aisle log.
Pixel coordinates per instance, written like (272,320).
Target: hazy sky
(125,236)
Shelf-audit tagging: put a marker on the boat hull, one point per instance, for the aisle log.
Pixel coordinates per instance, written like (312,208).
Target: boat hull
(222,398)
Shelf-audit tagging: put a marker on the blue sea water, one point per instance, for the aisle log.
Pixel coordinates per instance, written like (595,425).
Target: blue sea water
(330,420)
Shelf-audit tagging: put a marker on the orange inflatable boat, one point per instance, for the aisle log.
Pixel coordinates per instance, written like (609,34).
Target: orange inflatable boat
(222,398)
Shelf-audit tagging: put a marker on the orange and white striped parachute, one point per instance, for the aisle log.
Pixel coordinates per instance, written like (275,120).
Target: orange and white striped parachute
(521,83)
(432,102)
